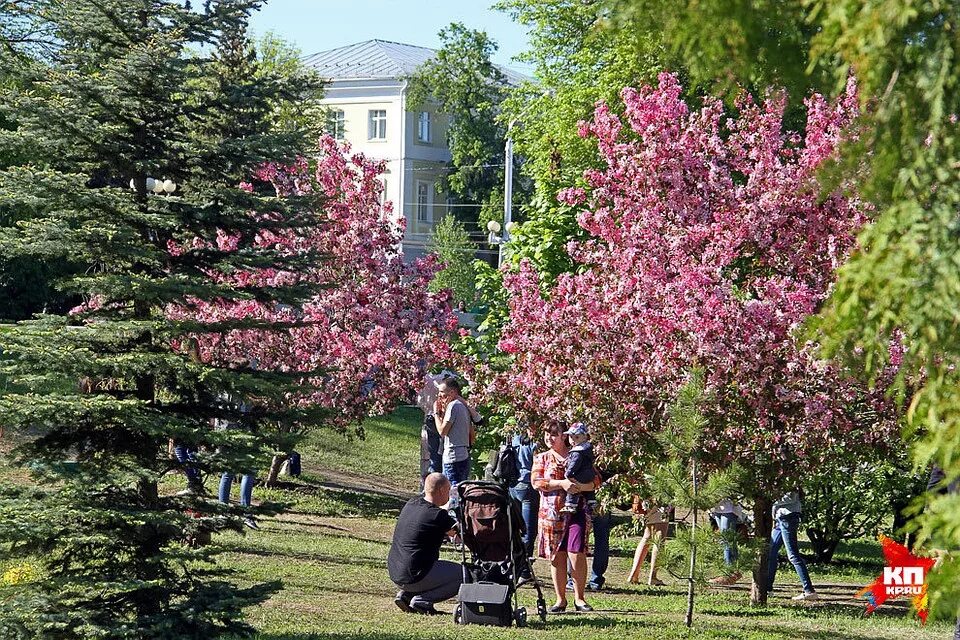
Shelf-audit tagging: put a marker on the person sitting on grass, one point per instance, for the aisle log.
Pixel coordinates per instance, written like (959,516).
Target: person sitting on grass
(414,560)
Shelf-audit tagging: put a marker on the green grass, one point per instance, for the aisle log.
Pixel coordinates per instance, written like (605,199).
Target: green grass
(389,452)
(335,586)
(329,551)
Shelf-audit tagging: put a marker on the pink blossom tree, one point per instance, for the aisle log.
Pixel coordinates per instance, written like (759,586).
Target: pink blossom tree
(363,338)
(711,241)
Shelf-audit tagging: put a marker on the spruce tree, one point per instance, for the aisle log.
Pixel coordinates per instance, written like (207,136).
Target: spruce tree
(126,93)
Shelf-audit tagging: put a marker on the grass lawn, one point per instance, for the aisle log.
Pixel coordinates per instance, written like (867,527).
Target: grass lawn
(329,551)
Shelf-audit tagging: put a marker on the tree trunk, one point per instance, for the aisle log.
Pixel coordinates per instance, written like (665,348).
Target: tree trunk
(762,525)
(693,548)
(274,472)
(147,601)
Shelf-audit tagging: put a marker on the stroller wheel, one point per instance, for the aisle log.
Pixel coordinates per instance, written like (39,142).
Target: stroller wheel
(542,609)
(520,615)
(458,614)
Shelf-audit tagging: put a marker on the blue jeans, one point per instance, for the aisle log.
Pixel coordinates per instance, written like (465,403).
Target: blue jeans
(529,499)
(186,455)
(785,535)
(457,472)
(601,549)
(433,444)
(727,524)
(247,480)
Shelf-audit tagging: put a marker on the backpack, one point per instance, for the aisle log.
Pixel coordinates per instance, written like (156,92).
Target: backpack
(506,468)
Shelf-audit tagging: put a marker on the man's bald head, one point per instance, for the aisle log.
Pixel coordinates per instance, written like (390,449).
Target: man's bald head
(436,489)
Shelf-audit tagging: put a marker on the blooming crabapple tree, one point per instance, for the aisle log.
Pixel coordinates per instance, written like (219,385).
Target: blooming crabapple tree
(711,241)
(363,338)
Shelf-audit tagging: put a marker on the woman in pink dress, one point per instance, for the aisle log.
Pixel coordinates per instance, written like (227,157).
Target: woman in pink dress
(560,536)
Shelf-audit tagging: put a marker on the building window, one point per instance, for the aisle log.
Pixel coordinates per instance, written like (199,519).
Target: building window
(423,127)
(423,202)
(335,124)
(378,125)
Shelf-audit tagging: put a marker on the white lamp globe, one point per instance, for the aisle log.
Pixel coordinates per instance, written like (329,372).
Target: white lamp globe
(158,186)
(512,226)
(151,183)
(133,184)
(493,226)
(169,186)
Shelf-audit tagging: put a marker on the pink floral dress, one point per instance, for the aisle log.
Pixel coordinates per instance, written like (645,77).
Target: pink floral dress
(551,524)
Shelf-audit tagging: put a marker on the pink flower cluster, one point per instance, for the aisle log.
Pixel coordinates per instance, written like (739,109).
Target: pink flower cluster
(710,244)
(373,324)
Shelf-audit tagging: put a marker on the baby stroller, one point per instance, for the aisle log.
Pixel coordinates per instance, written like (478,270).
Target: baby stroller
(492,529)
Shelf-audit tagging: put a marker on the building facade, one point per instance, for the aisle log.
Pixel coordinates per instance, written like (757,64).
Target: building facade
(366,95)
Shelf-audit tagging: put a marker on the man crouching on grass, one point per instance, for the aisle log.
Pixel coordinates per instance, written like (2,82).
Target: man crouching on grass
(414,560)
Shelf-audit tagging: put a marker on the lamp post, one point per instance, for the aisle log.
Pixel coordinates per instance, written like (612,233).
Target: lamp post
(157,186)
(508,224)
(494,236)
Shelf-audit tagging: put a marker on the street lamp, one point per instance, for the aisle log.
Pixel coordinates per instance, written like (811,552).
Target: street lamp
(157,186)
(494,237)
(509,224)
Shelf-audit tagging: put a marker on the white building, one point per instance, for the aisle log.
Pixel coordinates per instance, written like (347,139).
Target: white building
(367,97)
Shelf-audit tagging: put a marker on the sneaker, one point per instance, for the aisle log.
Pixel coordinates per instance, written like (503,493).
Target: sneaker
(403,602)
(524,578)
(250,522)
(807,595)
(567,511)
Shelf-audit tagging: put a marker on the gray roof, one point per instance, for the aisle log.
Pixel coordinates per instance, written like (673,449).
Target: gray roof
(379,59)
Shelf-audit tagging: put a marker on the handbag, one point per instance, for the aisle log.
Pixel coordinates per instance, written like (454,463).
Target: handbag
(486,603)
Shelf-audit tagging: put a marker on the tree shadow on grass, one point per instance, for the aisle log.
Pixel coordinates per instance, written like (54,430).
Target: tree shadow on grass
(318,557)
(347,501)
(339,536)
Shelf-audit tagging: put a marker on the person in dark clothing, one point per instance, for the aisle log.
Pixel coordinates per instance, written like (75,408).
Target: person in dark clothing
(524,493)
(522,490)
(580,462)
(426,400)
(414,560)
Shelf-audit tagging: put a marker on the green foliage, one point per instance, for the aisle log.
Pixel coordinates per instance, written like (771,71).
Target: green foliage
(902,285)
(726,45)
(678,479)
(452,243)
(681,442)
(123,91)
(464,83)
(856,499)
(300,110)
(578,60)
